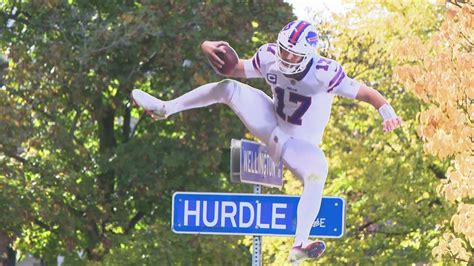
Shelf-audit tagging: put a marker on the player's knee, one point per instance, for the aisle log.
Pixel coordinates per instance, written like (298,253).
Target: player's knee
(305,160)
(276,144)
(315,176)
(225,90)
(317,170)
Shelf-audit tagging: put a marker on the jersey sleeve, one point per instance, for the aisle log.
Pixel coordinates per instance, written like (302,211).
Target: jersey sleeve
(342,85)
(251,70)
(256,67)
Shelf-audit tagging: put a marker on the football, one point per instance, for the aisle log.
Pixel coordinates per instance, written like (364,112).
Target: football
(230,59)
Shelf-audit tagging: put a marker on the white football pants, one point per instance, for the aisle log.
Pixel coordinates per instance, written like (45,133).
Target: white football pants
(255,109)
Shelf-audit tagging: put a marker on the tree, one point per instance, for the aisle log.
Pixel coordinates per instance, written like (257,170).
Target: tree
(439,72)
(83,171)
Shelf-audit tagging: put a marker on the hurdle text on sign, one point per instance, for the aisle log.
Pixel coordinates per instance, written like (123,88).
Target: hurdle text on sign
(251,214)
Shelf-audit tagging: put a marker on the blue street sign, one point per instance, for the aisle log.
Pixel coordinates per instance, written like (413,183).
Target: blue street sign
(251,214)
(251,164)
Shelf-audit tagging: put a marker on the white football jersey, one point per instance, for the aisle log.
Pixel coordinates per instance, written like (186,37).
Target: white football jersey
(302,102)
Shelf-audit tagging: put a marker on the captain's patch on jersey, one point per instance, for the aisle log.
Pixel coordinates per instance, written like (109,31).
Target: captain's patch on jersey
(272,78)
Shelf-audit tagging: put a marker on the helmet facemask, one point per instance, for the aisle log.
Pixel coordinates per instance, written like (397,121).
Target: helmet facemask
(291,62)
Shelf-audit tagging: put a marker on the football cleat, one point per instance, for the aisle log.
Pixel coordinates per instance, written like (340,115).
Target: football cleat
(154,107)
(312,251)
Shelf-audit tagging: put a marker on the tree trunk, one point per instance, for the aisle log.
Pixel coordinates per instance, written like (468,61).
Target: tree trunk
(11,256)
(7,254)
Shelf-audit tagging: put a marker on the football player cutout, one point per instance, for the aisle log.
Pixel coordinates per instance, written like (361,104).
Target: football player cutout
(291,123)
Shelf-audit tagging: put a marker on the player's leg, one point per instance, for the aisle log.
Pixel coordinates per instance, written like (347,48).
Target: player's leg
(308,163)
(254,108)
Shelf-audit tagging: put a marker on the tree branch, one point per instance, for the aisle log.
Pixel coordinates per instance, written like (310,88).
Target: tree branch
(356,75)
(364,226)
(438,172)
(126,124)
(393,233)
(55,120)
(134,221)
(454,3)
(146,66)
(14,156)
(466,38)
(43,225)
(142,117)
(391,147)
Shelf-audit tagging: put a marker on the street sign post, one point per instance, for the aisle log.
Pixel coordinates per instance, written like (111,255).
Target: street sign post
(251,214)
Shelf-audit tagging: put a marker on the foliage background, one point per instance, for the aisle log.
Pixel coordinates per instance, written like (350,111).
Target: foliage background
(86,176)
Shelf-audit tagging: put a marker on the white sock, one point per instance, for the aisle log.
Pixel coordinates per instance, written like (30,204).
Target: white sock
(308,163)
(308,209)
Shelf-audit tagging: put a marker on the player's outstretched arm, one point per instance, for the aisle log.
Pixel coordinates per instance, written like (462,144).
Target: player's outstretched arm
(373,97)
(210,50)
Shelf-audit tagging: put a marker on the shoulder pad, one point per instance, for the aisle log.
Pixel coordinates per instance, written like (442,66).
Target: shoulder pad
(266,53)
(329,72)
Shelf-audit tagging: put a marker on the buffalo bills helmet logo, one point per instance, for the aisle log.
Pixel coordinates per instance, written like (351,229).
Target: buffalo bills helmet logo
(312,38)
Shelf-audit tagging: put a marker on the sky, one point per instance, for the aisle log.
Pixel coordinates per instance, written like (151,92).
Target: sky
(301,7)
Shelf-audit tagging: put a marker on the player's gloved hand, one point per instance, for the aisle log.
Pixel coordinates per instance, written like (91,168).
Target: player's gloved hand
(390,119)
(209,48)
